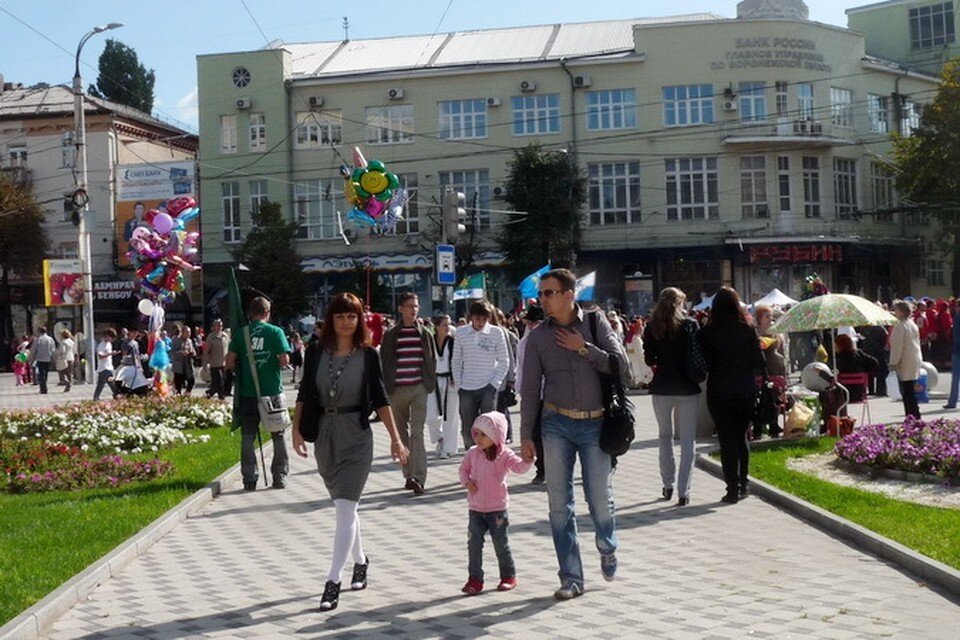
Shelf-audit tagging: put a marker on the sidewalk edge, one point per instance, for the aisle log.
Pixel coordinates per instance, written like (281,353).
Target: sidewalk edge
(863,539)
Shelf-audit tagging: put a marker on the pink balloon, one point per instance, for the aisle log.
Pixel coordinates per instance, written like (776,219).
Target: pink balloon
(374,207)
(163,223)
(176,205)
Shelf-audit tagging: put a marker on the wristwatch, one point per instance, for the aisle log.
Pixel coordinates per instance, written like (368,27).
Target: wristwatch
(582,351)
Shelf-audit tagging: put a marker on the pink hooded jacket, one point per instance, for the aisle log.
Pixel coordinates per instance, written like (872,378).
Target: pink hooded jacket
(490,475)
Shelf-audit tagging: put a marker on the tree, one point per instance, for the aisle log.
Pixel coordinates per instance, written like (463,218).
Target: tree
(274,265)
(547,190)
(927,163)
(23,244)
(123,79)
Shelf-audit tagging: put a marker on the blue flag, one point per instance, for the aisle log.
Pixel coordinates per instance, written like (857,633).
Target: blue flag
(529,286)
(586,286)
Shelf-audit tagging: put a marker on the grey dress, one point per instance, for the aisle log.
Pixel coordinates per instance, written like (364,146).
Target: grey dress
(344,446)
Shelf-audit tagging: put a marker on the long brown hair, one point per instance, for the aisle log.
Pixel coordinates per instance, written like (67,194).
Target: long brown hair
(344,303)
(726,309)
(668,314)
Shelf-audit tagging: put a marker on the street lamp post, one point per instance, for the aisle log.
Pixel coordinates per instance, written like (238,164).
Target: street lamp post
(83,248)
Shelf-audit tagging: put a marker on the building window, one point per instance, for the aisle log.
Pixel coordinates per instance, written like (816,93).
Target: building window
(783,102)
(411,211)
(462,119)
(318,129)
(811,187)
(614,191)
(753,102)
(932,26)
(475,185)
(536,114)
(228,134)
(17,154)
(692,192)
(316,216)
(878,113)
(845,187)
(616,109)
(909,117)
(783,182)
(934,273)
(753,187)
(687,104)
(258,133)
(805,101)
(884,199)
(392,124)
(841,107)
(258,194)
(231,211)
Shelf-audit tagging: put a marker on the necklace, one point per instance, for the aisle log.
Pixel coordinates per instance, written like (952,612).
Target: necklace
(335,376)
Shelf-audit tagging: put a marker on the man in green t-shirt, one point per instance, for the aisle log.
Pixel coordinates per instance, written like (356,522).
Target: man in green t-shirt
(271,352)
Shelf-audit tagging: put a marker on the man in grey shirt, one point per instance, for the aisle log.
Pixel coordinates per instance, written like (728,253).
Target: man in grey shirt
(566,355)
(42,353)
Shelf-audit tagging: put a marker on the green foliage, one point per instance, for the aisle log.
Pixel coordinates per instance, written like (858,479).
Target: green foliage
(123,79)
(274,266)
(550,189)
(23,243)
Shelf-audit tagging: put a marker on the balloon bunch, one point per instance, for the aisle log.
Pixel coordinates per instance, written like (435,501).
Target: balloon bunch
(163,251)
(813,286)
(374,192)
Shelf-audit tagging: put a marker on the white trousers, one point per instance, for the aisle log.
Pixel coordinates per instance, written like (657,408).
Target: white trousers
(441,424)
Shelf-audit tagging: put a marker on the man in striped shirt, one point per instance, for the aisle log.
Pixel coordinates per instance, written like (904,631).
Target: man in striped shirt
(410,374)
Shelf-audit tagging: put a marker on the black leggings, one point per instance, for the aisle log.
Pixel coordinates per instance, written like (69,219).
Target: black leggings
(732,414)
(910,406)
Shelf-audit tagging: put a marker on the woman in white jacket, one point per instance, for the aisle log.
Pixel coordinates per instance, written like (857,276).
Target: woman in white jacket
(905,356)
(443,405)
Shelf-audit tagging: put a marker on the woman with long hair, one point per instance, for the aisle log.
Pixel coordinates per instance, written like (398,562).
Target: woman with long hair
(443,405)
(342,382)
(666,346)
(731,349)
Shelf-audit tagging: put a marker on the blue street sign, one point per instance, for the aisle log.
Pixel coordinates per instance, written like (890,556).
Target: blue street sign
(446,264)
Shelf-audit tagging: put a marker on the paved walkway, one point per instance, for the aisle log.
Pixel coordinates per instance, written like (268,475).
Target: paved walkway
(253,566)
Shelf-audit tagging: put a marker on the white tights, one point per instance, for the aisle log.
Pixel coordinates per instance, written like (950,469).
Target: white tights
(346,539)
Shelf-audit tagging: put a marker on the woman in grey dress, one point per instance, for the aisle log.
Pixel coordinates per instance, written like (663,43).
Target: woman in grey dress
(342,381)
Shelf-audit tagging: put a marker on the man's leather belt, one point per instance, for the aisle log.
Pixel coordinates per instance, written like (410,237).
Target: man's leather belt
(339,410)
(576,414)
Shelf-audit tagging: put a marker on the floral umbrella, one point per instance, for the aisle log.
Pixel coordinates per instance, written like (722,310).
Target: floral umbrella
(832,311)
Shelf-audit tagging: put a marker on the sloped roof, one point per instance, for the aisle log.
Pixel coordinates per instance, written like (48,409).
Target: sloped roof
(508,45)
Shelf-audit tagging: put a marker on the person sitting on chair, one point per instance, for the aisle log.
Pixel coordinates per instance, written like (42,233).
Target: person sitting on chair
(850,359)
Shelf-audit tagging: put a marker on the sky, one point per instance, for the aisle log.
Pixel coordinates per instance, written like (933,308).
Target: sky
(39,37)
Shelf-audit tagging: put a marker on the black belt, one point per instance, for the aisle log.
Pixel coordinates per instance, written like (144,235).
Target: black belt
(328,411)
(445,375)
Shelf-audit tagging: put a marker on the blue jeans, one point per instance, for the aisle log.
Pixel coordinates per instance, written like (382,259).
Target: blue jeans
(954,379)
(496,523)
(563,439)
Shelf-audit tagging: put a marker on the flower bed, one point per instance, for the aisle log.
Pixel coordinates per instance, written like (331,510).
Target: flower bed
(79,446)
(916,446)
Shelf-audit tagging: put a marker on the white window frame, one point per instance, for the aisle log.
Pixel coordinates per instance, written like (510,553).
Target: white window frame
(470,182)
(783,184)
(318,129)
(811,187)
(841,107)
(17,155)
(258,194)
(535,115)
(782,98)
(845,200)
(410,223)
(390,124)
(692,186)
(753,101)
(228,134)
(878,113)
(753,187)
(882,183)
(258,132)
(611,109)
(314,209)
(934,273)
(230,201)
(805,109)
(688,105)
(462,119)
(613,190)
(909,117)
(932,25)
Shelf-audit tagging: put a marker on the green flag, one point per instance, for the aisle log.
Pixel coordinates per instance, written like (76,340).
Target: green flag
(235,320)
(471,287)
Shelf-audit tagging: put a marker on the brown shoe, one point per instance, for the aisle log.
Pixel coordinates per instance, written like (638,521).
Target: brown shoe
(409,484)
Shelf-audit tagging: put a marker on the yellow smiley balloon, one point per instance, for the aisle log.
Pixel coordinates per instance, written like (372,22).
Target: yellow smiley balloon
(374,182)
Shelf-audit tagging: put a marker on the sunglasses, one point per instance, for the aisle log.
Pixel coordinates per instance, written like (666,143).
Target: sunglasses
(549,293)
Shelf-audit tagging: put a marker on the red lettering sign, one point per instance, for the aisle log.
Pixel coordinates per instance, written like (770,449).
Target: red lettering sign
(796,253)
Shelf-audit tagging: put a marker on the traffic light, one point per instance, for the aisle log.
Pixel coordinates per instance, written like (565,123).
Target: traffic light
(453,212)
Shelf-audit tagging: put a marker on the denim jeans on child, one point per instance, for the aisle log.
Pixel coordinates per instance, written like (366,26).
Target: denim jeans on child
(563,439)
(496,523)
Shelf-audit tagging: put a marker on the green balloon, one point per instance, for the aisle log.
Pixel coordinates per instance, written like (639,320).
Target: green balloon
(392,180)
(359,171)
(385,195)
(376,165)
(363,193)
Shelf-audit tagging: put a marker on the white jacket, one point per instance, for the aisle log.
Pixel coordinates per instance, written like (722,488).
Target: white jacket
(905,356)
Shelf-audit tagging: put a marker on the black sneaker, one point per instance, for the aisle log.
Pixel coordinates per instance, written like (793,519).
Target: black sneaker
(744,491)
(359,580)
(280,481)
(667,493)
(249,486)
(331,596)
(538,479)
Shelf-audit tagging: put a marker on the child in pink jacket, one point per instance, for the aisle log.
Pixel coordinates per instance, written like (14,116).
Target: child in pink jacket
(483,472)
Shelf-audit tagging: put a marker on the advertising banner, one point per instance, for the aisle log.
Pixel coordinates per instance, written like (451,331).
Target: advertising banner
(62,283)
(141,187)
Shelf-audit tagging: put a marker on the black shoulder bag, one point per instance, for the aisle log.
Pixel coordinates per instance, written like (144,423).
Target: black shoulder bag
(617,432)
(694,364)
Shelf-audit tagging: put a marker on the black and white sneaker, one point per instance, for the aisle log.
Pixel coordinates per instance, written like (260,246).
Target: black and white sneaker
(359,580)
(331,596)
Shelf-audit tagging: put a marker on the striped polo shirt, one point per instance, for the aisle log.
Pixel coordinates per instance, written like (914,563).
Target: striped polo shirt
(409,357)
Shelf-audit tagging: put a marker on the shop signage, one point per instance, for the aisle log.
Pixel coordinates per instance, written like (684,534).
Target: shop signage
(796,253)
(765,52)
(114,290)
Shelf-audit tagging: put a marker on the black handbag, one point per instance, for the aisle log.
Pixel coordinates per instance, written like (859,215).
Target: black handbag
(694,364)
(617,432)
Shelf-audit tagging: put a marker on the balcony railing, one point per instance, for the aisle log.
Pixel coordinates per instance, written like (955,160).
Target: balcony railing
(801,132)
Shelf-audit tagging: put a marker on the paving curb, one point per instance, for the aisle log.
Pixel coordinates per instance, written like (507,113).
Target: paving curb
(861,538)
(35,621)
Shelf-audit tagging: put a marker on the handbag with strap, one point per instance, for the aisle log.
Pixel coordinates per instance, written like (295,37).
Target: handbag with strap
(274,415)
(694,364)
(617,430)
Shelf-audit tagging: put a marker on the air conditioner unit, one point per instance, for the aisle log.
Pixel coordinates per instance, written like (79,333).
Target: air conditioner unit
(243,103)
(316,101)
(582,81)
(801,127)
(528,85)
(493,102)
(730,105)
(411,241)
(499,191)
(395,94)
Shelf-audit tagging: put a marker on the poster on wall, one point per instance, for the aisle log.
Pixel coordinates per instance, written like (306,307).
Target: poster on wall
(62,283)
(142,187)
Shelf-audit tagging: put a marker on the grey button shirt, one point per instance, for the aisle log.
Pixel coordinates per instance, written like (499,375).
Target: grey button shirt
(570,381)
